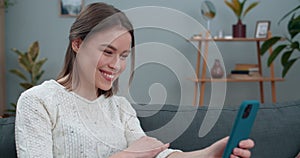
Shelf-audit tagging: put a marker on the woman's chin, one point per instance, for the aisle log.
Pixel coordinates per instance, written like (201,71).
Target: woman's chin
(104,85)
(105,88)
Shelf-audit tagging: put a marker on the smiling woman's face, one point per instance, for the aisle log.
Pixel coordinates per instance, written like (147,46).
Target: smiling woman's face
(102,58)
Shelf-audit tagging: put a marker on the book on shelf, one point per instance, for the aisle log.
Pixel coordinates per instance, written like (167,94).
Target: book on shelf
(246,67)
(240,72)
(239,76)
(245,71)
(250,75)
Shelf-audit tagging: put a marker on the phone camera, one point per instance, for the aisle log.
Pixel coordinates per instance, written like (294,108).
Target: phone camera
(247,111)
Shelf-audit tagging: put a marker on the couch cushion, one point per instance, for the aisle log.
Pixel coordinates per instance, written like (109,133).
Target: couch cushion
(7,137)
(275,131)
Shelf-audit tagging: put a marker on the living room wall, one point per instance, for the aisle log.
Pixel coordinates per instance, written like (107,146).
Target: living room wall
(31,20)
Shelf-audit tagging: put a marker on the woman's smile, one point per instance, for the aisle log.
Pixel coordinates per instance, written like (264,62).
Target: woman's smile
(109,76)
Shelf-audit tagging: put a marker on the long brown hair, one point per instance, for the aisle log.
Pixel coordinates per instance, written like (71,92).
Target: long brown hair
(86,22)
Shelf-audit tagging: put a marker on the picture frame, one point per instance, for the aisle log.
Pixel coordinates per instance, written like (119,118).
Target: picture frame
(262,29)
(70,8)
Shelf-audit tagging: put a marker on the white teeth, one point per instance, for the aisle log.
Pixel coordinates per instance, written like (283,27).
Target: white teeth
(108,75)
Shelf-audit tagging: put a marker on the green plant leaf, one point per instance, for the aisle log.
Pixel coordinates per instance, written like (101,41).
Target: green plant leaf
(238,7)
(29,58)
(294,26)
(236,4)
(38,76)
(24,62)
(14,105)
(41,62)
(17,51)
(24,58)
(250,7)
(286,56)
(7,3)
(290,12)
(33,50)
(36,69)
(26,85)
(11,110)
(295,32)
(232,7)
(287,66)
(275,53)
(268,44)
(294,45)
(19,73)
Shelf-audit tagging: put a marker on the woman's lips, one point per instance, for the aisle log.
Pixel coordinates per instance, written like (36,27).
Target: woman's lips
(107,75)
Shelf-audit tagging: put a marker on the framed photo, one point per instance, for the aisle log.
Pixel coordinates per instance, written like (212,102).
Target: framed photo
(70,7)
(262,29)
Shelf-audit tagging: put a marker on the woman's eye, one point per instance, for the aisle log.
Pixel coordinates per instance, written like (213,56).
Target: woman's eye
(124,56)
(108,52)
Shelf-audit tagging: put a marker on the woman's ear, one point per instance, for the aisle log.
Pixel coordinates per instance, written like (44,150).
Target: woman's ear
(76,44)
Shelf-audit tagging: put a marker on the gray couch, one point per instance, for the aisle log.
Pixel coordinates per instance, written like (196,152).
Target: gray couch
(276,130)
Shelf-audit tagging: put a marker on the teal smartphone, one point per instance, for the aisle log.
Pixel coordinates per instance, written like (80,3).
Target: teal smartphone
(242,125)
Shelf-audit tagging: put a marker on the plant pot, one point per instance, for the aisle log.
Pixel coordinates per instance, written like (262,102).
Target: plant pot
(239,30)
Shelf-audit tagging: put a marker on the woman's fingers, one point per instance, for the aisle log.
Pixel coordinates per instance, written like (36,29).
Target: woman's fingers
(246,144)
(238,152)
(243,149)
(161,148)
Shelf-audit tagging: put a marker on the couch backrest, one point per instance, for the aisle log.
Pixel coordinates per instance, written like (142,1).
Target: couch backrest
(276,130)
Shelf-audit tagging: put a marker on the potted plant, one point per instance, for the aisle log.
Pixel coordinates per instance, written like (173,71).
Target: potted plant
(5,3)
(30,64)
(288,45)
(238,8)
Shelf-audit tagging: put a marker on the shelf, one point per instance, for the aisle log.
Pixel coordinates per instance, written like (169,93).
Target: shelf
(229,39)
(256,79)
(202,78)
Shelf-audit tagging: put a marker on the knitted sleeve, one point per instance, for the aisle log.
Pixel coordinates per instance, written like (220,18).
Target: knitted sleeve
(32,128)
(133,130)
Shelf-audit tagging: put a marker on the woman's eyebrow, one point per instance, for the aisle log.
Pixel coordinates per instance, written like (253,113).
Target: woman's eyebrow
(113,48)
(109,46)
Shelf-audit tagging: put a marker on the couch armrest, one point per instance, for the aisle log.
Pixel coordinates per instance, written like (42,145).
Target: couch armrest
(7,137)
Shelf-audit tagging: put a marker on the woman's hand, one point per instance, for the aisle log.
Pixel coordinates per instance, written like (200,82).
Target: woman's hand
(145,147)
(216,150)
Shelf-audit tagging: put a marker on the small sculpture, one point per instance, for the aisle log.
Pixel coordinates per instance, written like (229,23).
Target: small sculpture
(217,70)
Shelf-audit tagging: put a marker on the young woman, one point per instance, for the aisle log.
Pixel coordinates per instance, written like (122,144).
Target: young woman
(79,115)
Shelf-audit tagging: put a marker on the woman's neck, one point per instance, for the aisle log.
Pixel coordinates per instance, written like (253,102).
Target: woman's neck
(84,89)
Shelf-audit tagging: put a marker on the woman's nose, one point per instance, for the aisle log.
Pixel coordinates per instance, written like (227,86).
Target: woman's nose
(115,63)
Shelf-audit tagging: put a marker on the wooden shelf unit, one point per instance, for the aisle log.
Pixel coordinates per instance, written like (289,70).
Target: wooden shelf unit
(202,79)
(262,79)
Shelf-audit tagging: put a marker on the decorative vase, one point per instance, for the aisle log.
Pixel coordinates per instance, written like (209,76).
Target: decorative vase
(239,29)
(217,70)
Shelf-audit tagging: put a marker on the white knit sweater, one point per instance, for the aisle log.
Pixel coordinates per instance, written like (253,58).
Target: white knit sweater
(53,122)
